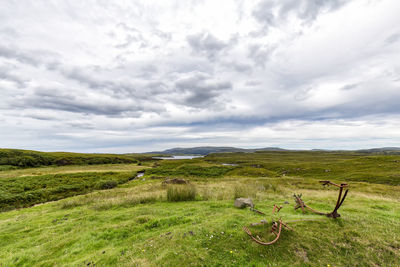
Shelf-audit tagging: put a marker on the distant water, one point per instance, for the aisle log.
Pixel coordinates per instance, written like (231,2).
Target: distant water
(229,164)
(178,157)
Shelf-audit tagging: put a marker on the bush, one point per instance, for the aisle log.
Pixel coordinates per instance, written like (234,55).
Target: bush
(107,184)
(184,192)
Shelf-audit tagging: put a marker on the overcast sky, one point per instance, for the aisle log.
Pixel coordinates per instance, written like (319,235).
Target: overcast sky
(134,76)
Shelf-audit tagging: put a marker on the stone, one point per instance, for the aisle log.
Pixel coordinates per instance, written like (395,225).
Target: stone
(243,202)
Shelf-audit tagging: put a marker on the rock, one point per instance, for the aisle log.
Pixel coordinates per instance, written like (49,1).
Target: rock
(286,202)
(243,202)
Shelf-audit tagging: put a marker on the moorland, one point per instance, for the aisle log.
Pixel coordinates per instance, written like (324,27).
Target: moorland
(70,209)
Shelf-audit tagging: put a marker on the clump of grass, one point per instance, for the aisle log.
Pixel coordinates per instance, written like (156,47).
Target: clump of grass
(206,194)
(71,204)
(243,190)
(185,192)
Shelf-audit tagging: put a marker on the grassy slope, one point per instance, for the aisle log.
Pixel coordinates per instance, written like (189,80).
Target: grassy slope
(135,225)
(17,158)
(26,187)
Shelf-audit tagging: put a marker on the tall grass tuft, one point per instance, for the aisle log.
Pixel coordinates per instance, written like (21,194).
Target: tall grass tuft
(184,192)
(244,190)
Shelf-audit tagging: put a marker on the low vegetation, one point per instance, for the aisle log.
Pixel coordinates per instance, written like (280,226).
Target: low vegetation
(29,158)
(188,168)
(181,192)
(142,222)
(349,166)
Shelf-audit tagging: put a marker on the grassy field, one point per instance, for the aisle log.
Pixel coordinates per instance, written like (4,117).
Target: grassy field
(134,224)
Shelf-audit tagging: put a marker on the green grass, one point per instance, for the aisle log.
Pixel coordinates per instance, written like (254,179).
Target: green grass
(181,192)
(26,191)
(135,224)
(29,158)
(200,232)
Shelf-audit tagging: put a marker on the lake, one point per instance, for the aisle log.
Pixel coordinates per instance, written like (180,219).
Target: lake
(174,157)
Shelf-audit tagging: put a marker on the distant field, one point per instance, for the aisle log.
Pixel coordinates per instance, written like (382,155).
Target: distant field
(70,169)
(383,169)
(134,224)
(11,158)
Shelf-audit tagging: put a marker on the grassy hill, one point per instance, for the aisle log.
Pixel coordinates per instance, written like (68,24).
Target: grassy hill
(135,224)
(205,150)
(13,158)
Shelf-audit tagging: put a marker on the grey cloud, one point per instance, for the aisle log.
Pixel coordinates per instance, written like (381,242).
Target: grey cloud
(82,125)
(130,39)
(242,67)
(59,99)
(263,13)
(308,10)
(23,57)
(34,58)
(163,35)
(239,67)
(41,117)
(8,32)
(349,86)
(271,13)
(126,27)
(393,38)
(7,75)
(132,35)
(200,90)
(259,54)
(207,44)
(253,83)
(200,98)
(96,78)
(78,74)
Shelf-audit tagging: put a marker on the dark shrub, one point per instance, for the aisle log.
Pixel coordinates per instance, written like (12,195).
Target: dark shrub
(107,184)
